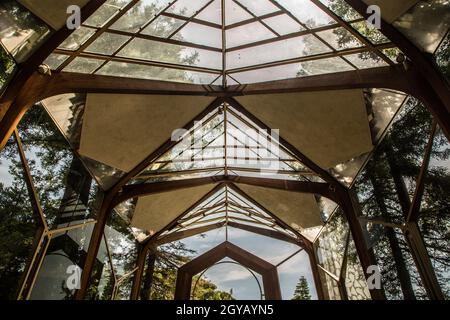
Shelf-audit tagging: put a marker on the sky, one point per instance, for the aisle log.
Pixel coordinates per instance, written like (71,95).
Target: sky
(239,279)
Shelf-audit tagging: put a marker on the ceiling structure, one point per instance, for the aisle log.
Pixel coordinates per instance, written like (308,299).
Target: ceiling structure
(127,140)
(224,42)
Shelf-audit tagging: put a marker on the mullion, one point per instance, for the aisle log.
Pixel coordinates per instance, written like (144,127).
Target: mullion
(192,142)
(256,17)
(251,149)
(133,37)
(190,19)
(137,61)
(163,40)
(194,20)
(278,144)
(312,31)
(283,37)
(193,156)
(350,29)
(319,56)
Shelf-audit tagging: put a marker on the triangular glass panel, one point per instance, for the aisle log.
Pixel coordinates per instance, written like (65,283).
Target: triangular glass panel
(212,13)
(227,206)
(223,142)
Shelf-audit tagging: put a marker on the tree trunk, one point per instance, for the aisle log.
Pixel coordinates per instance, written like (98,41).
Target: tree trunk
(400,265)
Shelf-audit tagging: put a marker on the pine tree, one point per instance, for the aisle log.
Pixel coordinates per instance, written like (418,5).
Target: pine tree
(302,290)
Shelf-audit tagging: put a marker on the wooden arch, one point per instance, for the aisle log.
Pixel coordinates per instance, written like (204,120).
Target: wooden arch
(226,249)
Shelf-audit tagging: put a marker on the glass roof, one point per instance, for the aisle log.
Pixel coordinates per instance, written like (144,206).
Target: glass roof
(226,206)
(226,142)
(222,42)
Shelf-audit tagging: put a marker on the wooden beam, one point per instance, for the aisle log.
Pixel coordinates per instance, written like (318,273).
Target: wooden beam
(187,233)
(266,232)
(394,78)
(137,279)
(20,83)
(136,190)
(37,87)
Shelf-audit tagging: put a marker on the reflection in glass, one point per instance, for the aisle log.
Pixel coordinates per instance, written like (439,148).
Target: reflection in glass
(434,218)
(65,253)
(426,24)
(332,242)
(18,226)
(20,31)
(66,191)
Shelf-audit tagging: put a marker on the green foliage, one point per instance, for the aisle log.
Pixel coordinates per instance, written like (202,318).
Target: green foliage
(400,157)
(302,290)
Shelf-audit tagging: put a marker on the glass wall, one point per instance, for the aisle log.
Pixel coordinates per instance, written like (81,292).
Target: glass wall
(339,267)
(18,223)
(48,204)
(397,192)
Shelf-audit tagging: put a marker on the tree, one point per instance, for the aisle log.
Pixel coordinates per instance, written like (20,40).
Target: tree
(302,290)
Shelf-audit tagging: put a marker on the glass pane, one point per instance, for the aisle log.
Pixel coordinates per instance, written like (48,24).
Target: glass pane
(20,31)
(66,190)
(187,8)
(67,111)
(340,38)
(434,218)
(122,69)
(171,53)
(77,38)
(370,32)
(442,57)
(7,67)
(261,246)
(83,65)
(283,24)
(383,106)
(248,33)
(323,66)
(65,254)
(122,245)
(332,242)
(426,24)
(279,50)
(163,27)
(366,60)
(296,278)
(101,283)
(105,12)
(258,7)
(234,13)
(330,286)
(18,226)
(307,13)
(289,71)
(212,13)
(355,282)
(107,43)
(138,16)
(387,184)
(124,289)
(200,34)
(342,9)
(55,60)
